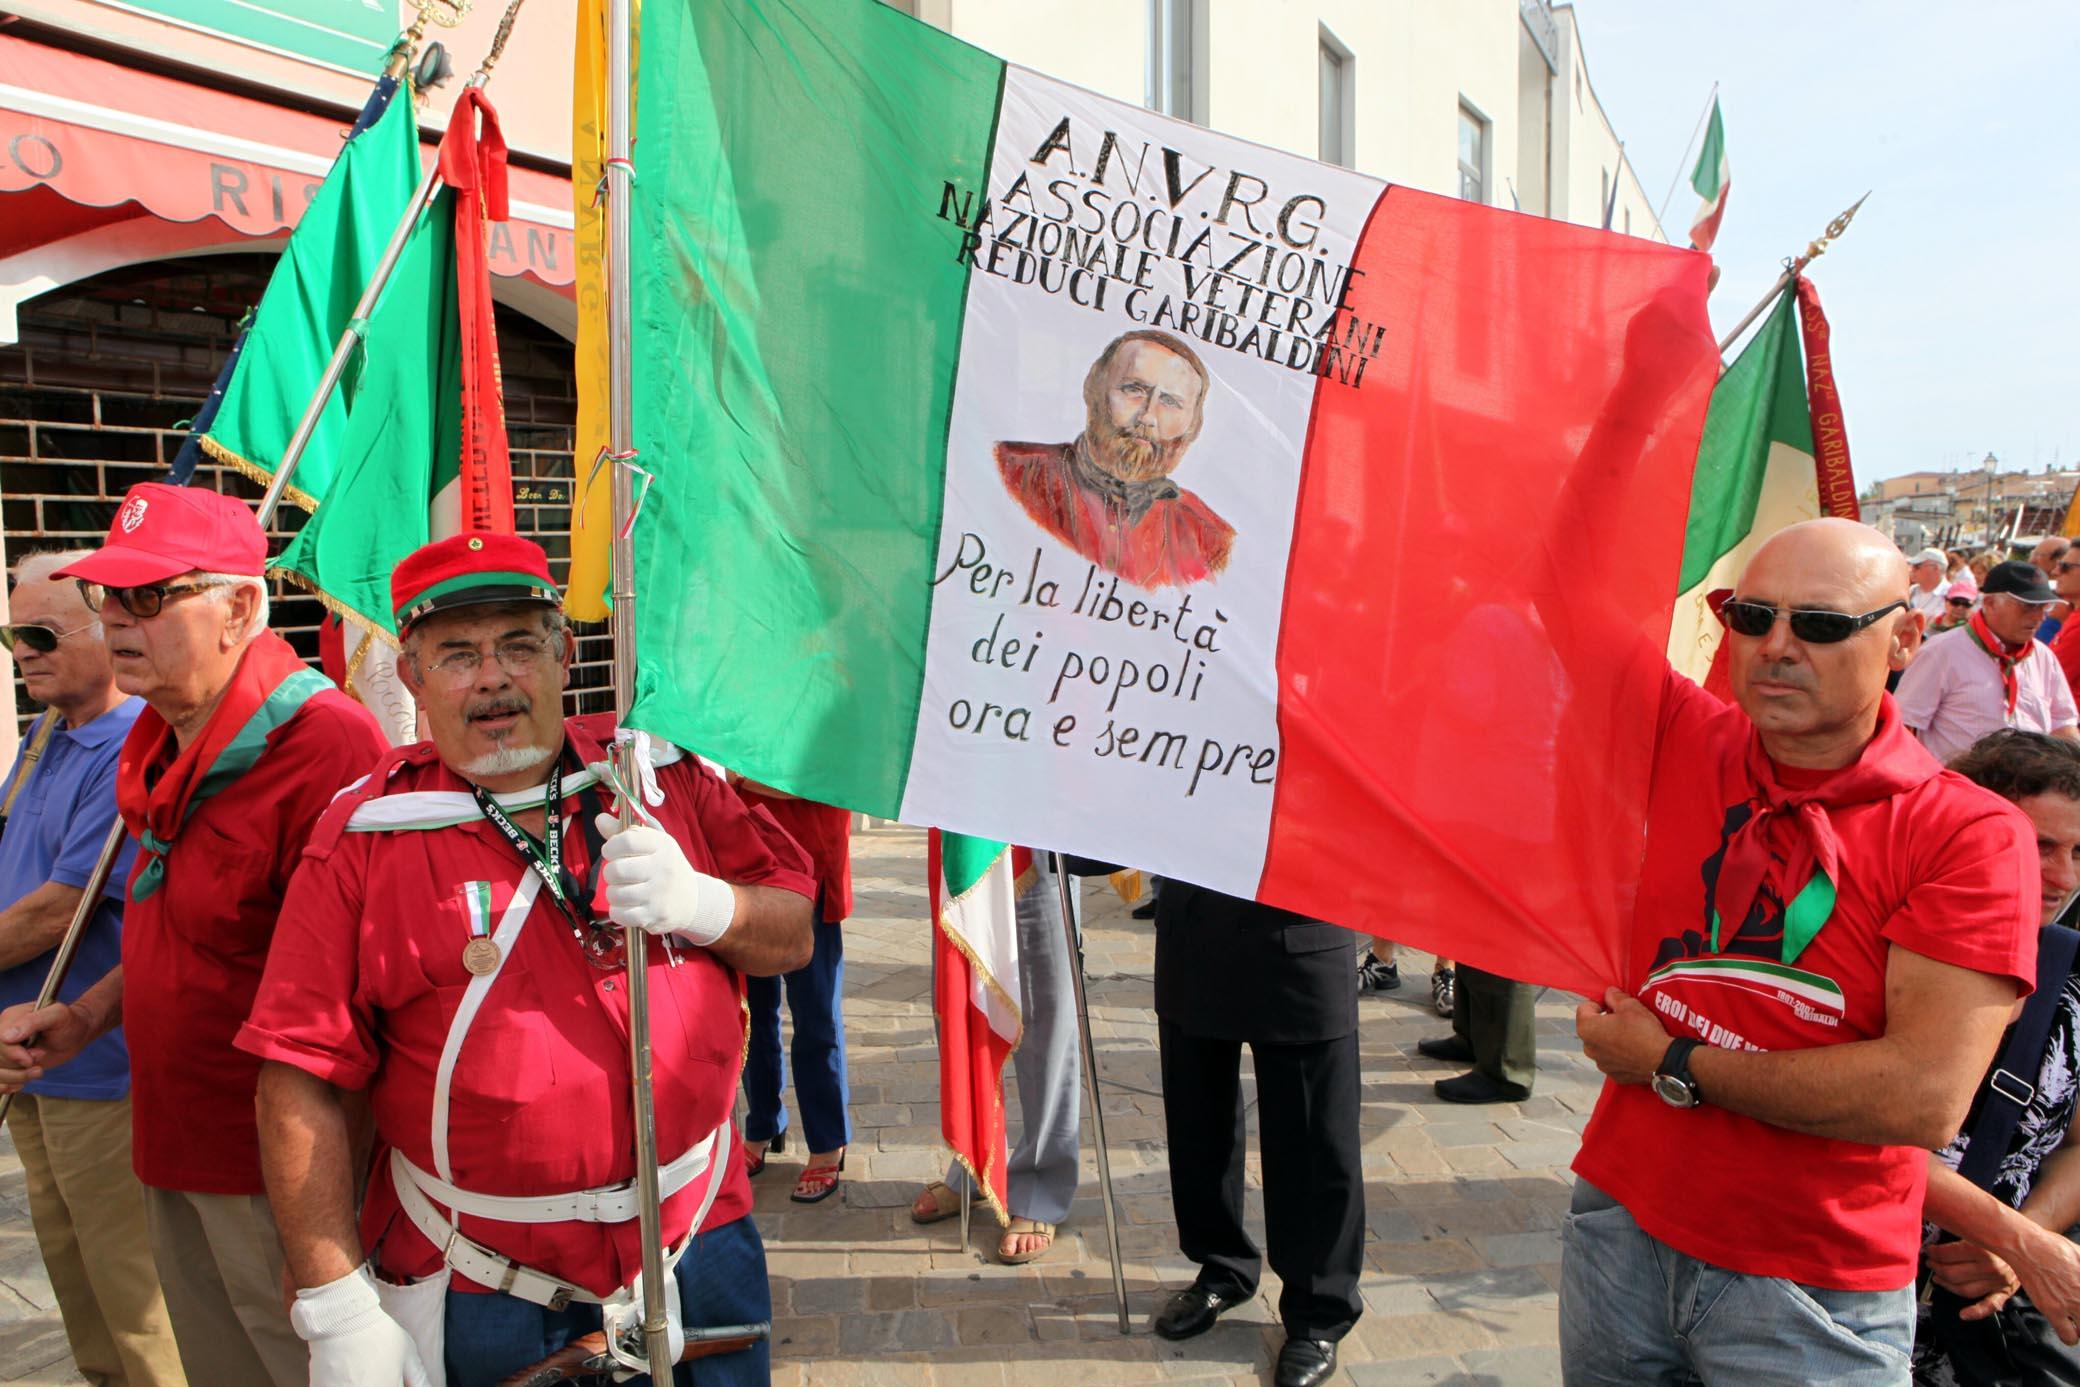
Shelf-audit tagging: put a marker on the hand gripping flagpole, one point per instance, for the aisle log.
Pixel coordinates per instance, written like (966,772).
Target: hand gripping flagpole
(357,322)
(1090,1088)
(620,178)
(1793,268)
(447,13)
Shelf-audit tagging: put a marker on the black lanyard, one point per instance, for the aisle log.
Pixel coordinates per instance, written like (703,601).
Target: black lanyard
(544,859)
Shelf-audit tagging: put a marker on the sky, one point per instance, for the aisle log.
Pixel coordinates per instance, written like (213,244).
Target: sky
(1955,296)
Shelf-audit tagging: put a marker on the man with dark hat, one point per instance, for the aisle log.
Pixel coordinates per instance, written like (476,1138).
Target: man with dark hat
(238,750)
(1991,672)
(453,966)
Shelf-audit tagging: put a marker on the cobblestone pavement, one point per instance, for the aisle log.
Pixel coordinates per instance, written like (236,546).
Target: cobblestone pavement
(1464,1204)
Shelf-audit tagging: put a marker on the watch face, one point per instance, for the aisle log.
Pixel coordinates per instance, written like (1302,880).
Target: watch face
(1675,1092)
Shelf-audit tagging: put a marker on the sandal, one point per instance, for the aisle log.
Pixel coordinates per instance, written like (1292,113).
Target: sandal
(776,1143)
(1025,1228)
(817,1183)
(945,1203)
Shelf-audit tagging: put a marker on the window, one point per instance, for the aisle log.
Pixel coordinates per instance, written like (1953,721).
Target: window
(1177,49)
(1473,154)
(1338,117)
(1628,221)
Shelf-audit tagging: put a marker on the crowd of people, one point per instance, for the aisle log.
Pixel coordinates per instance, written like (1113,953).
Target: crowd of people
(337,1090)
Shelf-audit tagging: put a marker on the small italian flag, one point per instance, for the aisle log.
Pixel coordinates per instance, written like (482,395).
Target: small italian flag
(1711,178)
(1774,453)
(975,885)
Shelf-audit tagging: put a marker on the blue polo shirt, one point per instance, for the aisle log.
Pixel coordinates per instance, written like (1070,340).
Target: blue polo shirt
(54,833)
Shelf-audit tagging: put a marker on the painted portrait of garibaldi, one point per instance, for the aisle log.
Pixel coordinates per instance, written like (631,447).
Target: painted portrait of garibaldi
(1108,495)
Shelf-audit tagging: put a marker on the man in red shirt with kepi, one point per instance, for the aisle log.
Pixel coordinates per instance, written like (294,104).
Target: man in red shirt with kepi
(1831,933)
(239,749)
(447,971)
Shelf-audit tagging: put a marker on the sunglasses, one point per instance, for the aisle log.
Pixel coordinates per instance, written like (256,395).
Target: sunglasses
(41,639)
(145,602)
(1814,626)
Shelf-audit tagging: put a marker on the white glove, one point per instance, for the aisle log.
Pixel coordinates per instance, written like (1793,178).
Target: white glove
(652,886)
(353,1342)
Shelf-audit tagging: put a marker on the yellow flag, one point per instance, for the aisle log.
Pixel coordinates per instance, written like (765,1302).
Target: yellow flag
(592,503)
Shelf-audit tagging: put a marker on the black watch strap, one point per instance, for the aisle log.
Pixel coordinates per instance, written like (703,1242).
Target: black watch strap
(1675,1061)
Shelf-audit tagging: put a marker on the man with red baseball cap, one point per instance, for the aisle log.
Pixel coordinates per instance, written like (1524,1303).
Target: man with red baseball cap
(452,961)
(239,749)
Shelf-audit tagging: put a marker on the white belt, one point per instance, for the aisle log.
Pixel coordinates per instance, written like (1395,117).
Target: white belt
(487,1268)
(607,1204)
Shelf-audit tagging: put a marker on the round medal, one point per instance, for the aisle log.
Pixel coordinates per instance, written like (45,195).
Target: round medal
(480,956)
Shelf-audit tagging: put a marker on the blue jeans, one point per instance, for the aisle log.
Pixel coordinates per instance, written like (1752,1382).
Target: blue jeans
(820,1089)
(1634,1312)
(722,1280)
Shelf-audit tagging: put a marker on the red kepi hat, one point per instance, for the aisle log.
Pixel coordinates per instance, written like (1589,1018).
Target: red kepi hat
(163,531)
(469,571)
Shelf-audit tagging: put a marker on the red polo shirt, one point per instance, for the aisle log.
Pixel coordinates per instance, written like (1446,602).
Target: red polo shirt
(825,833)
(370,973)
(193,950)
(1944,869)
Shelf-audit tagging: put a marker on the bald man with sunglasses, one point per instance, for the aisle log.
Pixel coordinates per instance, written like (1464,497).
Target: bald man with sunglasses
(1830,933)
(72,1128)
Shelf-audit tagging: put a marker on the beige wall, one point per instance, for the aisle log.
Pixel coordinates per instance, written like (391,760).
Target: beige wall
(531,85)
(1416,61)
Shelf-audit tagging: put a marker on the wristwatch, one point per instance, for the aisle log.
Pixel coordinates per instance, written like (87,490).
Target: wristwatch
(1672,1080)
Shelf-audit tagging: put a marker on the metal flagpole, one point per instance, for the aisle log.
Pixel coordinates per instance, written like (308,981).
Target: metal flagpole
(1090,1088)
(620,174)
(1792,268)
(263,514)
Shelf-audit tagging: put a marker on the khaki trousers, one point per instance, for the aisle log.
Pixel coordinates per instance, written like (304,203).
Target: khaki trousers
(1499,1019)
(88,1210)
(220,1260)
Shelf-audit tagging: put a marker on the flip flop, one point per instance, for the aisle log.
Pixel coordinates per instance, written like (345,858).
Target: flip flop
(817,1183)
(1025,1228)
(946,1203)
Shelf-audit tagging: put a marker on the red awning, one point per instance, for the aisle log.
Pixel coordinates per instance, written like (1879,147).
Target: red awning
(91,143)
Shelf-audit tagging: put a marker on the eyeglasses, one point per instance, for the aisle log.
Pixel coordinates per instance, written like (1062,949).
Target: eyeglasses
(1960,601)
(41,639)
(2068,565)
(1814,626)
(517,658)
(147,601)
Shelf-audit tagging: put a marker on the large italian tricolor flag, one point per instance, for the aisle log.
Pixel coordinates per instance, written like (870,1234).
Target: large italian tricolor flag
(1374,633)
(1775,452)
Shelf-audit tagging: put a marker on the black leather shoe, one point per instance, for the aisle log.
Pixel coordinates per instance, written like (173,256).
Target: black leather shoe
(1450,1048)
(1479,1088)
(1305,1362)
(1192,1311)
(1145,911)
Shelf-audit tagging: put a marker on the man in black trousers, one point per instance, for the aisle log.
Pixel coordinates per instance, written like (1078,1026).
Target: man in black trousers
(1230,971)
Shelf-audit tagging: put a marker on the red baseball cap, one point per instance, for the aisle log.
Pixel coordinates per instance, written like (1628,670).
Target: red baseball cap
(163,531)
(469,571)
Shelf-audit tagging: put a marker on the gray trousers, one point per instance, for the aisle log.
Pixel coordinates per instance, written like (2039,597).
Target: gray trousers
(1047,1064)
(1498,1018)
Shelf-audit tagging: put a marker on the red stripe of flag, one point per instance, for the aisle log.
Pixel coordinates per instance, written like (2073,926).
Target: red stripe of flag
(1537,403)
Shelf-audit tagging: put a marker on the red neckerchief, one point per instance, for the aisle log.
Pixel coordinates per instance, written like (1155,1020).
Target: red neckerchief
(2004,654)
(1790,837)
(154,808)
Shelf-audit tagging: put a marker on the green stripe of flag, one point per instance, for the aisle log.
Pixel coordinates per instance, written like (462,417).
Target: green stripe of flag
(308,303)
(1709,175)
(783,150)
(1760,401)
